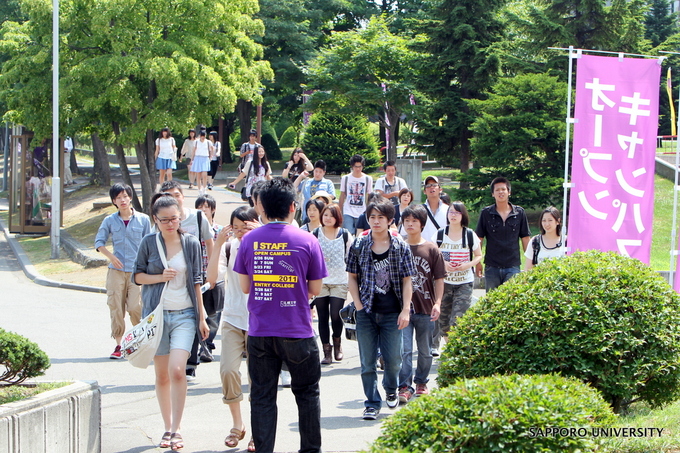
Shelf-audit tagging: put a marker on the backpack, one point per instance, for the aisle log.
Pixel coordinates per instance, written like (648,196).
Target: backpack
(536,246)
(467,232)
(345,236)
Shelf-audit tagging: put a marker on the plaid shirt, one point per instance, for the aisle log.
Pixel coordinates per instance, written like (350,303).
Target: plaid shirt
(400,265)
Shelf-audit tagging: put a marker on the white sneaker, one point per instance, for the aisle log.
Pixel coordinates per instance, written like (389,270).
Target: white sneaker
(285,378)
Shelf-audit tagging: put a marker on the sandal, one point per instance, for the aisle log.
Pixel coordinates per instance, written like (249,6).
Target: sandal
(251,445)
(176,443)
(165,440)
(234,436)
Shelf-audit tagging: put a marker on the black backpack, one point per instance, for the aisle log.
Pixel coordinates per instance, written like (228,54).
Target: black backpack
(467,233)
(536,246)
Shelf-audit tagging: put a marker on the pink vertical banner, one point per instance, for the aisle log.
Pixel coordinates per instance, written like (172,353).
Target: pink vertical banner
(612,174)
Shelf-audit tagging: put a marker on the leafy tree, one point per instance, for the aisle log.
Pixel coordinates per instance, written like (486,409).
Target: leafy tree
(336,137)
(131,68)
(660,23)
(519,133)
(368,71)
(460,66)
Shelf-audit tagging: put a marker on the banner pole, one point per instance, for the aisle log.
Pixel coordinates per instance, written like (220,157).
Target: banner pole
(569,120)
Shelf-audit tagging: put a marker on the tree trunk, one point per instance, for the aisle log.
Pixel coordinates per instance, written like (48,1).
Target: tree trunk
(227,129)
(393,129)
(127,179)
(148,179)
(73,163)
(243,111)
(465,156)
(101,172)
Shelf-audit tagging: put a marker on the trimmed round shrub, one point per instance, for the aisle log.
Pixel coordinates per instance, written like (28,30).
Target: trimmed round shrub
(336,137)
(605,319)
(20,358)
(500,414)
(271,147)
(289,138)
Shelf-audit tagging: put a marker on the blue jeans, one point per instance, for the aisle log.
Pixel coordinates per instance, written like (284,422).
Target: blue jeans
(496,276)
(266,355)
(423,326)
(376,330)
(350,223)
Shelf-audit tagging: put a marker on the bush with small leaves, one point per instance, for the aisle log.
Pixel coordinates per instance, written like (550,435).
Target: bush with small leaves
(289,139)
(605,319)
(336,137)
(20,359)
(500,414)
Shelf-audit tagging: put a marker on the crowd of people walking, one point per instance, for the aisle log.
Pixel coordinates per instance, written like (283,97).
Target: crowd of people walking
(409,269)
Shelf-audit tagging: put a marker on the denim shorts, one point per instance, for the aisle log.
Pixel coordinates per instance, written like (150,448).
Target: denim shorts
(179,329)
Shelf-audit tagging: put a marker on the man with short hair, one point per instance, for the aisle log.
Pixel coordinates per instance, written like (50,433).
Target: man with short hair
(502,225)
(309,187)
(126,228)
(380,267)
(281,267)
(354,189)
(436,208)
(247,150)
(390,184)
(428,289)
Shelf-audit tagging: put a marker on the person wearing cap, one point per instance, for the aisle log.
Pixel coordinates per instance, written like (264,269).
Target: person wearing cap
(311,186)
(436,208)
(247,150)
(389,185)
(503,225)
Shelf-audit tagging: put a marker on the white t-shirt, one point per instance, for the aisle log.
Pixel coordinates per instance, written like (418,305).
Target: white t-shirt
(544,252)
(218,151)
(176,295)
(384,186)
(190,224)
(356,190)
(202,148)
(166,148)
(235,311)
(439,215)
(454,253)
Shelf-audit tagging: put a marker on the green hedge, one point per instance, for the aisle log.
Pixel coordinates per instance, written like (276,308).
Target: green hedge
(605,319)
(289,139)
(336,137)
(499,414)
(20,359)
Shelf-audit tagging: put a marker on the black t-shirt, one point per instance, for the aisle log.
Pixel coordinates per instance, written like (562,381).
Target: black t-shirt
(384,298)
(362,222)
(502,237)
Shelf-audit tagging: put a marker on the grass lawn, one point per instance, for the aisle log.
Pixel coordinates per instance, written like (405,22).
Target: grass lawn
(19,392)
(641,416)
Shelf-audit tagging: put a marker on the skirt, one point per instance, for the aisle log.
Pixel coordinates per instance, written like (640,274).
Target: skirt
(200,164)
(165,164)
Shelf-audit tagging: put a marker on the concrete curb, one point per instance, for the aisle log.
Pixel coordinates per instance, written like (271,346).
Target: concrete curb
(32,274)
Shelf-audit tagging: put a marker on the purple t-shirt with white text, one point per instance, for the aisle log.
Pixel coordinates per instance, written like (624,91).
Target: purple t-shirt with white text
(280,259)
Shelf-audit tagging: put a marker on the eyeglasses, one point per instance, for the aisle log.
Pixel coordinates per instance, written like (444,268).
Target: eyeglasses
(358,166)
(166,221)
(453,212)
(431,185)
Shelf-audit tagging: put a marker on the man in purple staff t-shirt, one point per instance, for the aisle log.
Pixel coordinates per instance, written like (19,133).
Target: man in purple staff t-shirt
(281,267)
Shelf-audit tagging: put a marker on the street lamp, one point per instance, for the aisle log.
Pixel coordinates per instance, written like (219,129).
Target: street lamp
(56,148)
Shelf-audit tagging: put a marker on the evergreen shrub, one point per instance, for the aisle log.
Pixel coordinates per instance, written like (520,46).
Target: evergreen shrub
(605,319)
(20,359)
(289,138)
(500,414)
(336,137)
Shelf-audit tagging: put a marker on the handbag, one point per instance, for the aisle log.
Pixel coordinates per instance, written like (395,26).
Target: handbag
(140,343)
(348,314)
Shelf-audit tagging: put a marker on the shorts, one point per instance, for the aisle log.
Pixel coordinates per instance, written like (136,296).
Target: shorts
(165,164)
(339,291)
(179,330)
(200,164)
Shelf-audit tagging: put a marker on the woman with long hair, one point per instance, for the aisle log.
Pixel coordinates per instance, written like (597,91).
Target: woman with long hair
(297,164)
(235,317)
(200,161)
(335,242)
(215,158)
(186,153)
(165,155)
(258,169)
(548,244)
(405,199)
(177,285)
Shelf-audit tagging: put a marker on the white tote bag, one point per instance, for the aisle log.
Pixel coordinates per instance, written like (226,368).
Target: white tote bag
(140,343)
